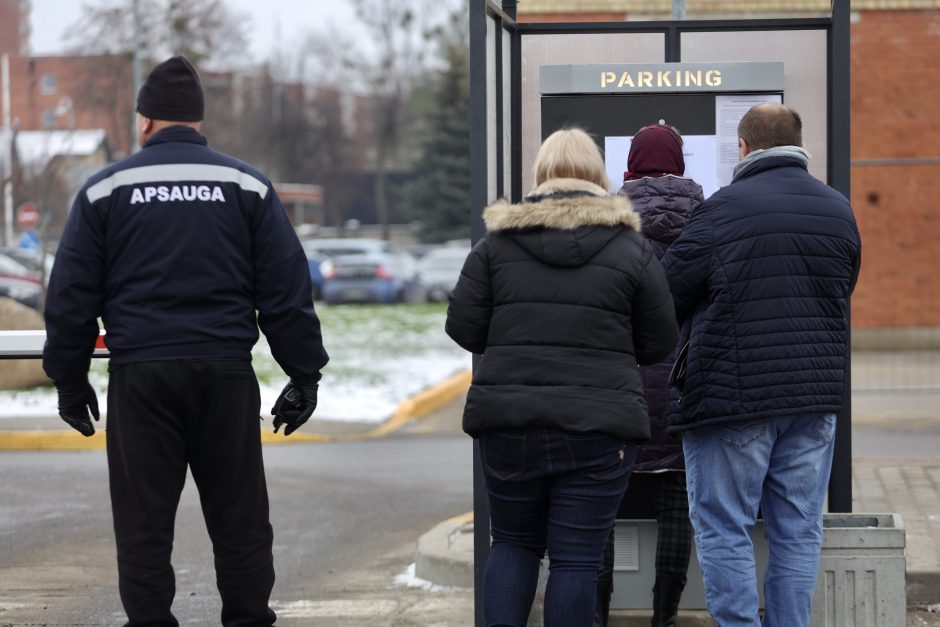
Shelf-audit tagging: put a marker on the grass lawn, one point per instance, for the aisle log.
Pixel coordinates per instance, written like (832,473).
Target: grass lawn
(379,356)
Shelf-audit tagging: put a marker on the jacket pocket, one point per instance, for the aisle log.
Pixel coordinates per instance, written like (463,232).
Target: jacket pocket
(677,374)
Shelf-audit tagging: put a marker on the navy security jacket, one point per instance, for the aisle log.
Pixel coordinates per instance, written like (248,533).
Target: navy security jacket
(563,298)
(176,247)
(764,269)
(664,204)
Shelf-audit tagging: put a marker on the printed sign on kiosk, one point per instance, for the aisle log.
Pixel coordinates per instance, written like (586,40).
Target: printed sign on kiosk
(704,101)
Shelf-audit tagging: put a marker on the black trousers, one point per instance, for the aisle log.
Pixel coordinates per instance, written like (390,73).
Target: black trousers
(163,417)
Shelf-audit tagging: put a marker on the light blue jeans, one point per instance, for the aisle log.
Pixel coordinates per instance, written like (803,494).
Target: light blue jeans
(781,465)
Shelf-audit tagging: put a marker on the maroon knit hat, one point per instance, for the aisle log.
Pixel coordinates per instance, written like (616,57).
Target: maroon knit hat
(656,150)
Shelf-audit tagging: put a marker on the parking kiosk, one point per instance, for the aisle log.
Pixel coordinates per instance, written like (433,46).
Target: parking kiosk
(529,79)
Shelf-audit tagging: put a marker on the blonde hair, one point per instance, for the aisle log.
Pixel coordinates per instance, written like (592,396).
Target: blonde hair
(570,154)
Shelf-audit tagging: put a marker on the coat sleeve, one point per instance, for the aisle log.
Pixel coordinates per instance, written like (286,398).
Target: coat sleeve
(688,262)
(283,292)
(471,305)
(75,295)
(654,319)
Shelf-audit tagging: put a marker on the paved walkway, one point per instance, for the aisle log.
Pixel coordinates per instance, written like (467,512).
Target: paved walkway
(896,394)
(896,402)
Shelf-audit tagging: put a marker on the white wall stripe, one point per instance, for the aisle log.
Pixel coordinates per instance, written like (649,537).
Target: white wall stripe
(176,172)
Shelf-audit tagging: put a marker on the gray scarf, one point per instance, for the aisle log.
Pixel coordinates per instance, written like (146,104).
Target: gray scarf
(777,151)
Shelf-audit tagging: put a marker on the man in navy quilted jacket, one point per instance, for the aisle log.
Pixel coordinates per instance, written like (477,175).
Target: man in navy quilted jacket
(764,271)
(183,252)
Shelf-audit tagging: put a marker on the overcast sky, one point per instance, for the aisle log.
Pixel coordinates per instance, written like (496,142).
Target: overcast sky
(49,20)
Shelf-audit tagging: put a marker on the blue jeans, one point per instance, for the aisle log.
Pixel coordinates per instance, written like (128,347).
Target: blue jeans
(556,490)
(782,466)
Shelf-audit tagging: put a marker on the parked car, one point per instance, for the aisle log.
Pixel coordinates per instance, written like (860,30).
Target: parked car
(374,278)
(320,251)
(23,291)
(9,266)
(440,269)
(32,261)
(19,282)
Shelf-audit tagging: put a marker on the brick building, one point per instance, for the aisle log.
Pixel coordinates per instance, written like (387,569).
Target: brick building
(895,122)
(65,92)
(14,27)
(61,93)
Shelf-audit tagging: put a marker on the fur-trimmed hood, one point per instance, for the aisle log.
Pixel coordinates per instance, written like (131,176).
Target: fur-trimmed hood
(564,204)
(563,222)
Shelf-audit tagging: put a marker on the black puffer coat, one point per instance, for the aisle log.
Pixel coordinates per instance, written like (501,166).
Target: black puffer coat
(764,269)
(563,298)
(664,204)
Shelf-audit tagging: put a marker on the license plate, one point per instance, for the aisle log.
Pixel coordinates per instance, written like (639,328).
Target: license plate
(356,294)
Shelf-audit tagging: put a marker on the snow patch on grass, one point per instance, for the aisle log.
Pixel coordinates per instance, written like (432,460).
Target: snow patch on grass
(380,355)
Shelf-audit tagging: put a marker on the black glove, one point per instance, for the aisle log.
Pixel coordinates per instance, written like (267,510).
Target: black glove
(296,403)
(76,401)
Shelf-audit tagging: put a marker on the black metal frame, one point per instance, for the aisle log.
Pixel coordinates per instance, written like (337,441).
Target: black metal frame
(838,170)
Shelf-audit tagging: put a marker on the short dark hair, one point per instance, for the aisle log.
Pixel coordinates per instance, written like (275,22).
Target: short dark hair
(770,124)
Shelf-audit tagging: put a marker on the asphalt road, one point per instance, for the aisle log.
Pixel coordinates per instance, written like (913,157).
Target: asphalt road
(346,519)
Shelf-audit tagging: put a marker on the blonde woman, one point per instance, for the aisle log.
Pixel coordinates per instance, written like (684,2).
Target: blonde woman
(563,298)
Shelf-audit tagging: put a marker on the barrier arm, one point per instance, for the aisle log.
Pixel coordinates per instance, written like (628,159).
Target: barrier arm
(29,344)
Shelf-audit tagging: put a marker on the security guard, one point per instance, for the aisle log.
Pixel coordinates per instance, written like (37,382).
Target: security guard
(176,248)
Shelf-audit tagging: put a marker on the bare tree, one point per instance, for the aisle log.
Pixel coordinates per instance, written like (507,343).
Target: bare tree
(208,32)
(384,66)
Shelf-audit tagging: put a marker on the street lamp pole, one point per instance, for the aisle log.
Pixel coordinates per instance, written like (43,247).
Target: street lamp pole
(8,155)
(137,71)
(678,9)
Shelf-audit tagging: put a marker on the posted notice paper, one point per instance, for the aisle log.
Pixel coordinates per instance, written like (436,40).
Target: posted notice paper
(728,112)
(698,151)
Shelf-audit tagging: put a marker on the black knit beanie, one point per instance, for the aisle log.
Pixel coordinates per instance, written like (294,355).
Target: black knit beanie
(172,92)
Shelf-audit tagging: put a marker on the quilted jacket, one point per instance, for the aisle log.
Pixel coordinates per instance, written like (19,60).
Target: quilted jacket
(764,270)
(664,204)
(563,298)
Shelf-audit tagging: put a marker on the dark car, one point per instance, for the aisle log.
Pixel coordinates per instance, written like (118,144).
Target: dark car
(321,251)
(440,269)
(375,278)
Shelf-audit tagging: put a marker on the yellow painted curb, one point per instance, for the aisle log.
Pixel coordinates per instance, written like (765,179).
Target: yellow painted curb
(423,403)
(408,411)
(461,519)
(50,440)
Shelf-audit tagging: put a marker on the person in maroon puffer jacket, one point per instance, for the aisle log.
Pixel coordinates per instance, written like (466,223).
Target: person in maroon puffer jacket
(665,199)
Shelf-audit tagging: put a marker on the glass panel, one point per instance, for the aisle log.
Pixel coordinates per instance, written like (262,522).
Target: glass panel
(803,53)
(507,115)
(642,10)
(583,48)
(491,88)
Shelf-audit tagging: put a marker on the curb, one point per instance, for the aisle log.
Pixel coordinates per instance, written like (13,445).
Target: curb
(923,587)
(444,555)
(409,410)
